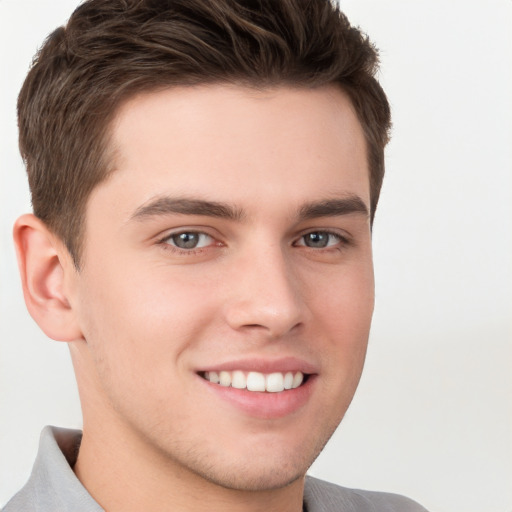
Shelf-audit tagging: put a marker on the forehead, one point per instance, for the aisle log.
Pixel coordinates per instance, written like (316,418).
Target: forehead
(225,142)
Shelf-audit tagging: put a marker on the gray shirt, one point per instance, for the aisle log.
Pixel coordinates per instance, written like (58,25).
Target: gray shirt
(53,486)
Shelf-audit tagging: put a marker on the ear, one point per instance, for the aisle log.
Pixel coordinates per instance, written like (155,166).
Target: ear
(45,267)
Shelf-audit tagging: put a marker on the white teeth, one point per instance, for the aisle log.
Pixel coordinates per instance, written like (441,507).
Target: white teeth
(288,380)
(256,381)
(275,382)
(212,377)
(225,379)
(239,380)
(297,380)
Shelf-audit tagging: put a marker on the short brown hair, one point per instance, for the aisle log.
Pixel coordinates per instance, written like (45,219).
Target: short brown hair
(112,49)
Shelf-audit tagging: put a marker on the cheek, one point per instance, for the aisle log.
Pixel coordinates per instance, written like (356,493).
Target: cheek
(345,314)
(344,298)
(137,320)
(136,330)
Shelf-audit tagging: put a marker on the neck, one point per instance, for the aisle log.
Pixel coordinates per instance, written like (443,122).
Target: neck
(122,474)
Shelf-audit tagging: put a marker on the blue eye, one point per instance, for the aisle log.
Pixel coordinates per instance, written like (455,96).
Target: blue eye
(320,239)
(189,240)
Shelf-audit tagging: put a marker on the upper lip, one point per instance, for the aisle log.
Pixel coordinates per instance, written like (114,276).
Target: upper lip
(263,365)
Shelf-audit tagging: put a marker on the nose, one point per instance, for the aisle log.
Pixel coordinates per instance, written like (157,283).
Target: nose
(264,295)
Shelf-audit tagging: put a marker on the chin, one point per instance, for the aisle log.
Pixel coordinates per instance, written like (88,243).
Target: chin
(252,479)
(261,469)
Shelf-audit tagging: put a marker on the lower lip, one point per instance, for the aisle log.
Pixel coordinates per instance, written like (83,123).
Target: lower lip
(265,405)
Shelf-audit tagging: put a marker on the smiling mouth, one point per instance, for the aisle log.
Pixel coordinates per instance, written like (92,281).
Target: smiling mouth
(275,382)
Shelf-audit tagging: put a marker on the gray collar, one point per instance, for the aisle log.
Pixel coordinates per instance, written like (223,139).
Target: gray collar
(53,486)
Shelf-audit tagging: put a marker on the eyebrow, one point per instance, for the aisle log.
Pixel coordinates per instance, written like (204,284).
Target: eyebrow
(167,205)
(333,207)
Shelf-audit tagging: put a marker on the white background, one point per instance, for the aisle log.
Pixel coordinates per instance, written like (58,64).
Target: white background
(432,418)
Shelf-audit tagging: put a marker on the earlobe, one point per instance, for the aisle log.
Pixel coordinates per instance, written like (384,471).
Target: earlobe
(43,263)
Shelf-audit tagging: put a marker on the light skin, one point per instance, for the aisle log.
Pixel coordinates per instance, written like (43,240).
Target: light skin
(233,235)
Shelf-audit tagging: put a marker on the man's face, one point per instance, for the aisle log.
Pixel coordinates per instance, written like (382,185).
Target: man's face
(233,242)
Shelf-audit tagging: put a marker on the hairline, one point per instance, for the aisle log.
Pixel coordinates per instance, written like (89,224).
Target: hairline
(109,153)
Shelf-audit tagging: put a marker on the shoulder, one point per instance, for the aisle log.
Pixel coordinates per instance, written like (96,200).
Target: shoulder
(320,496)
(52,485)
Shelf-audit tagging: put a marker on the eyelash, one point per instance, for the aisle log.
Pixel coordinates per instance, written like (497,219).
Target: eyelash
(166,245)
(344,241)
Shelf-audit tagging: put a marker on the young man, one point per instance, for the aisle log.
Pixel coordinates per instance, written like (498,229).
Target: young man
(204,176)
